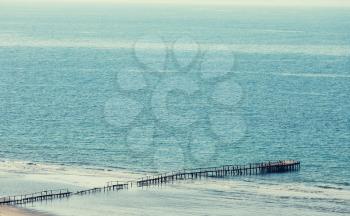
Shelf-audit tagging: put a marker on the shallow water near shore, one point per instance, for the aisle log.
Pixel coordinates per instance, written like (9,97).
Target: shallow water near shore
(69,94)
(209,197)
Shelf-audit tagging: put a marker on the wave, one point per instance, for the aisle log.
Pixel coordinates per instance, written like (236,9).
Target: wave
(310,75)
(302,93)
(329,187)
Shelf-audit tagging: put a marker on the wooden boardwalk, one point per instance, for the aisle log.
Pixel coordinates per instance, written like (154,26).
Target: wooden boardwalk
(35,197)
(111,186)
(223,171)
(210,172)
(58,194)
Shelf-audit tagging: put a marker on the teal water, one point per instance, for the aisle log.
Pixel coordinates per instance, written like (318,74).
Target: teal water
(166,88)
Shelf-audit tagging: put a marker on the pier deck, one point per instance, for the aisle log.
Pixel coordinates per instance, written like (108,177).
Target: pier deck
(223,171)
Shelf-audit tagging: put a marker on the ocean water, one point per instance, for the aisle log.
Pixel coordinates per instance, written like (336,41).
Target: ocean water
(159,88)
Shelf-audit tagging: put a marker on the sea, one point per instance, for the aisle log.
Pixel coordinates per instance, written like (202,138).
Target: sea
(159,88)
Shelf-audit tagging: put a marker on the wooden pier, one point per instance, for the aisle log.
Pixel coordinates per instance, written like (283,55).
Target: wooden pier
(35,197)
(111,186)
(223,171)
(210,172)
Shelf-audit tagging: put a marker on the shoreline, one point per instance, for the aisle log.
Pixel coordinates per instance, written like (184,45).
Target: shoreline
(21,174)
(65,175)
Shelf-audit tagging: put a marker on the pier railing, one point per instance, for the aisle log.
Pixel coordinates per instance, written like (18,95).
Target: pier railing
(209,172)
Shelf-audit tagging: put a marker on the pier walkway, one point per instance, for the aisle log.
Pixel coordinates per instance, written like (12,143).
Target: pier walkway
(223,171)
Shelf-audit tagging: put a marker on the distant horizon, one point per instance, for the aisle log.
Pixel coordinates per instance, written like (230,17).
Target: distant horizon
(272,3)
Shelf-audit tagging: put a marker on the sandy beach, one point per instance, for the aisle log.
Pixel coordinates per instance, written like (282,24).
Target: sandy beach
(11,211)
